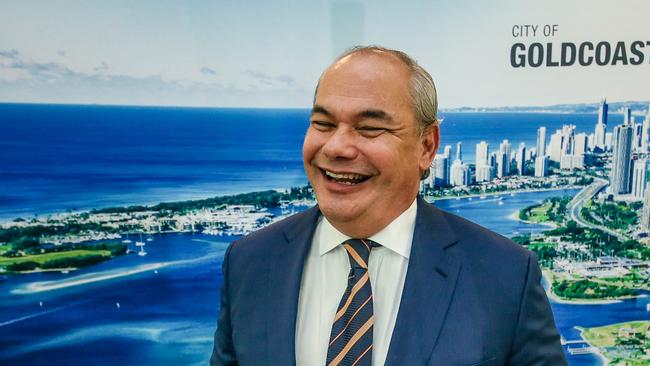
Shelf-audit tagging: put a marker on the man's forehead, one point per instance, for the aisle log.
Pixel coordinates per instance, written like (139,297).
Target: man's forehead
(368,61)
(366,76)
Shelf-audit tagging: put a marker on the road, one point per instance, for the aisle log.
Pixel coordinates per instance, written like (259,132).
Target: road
(575,206)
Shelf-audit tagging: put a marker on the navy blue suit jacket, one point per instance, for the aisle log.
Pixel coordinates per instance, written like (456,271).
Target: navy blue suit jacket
(471,297)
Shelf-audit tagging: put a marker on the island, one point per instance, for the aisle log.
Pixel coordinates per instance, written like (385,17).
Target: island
(622,343)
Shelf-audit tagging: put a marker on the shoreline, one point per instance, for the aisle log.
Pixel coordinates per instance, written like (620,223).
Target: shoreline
(515,217)
(604,360)
(558,300)
(508,192)
(94,277)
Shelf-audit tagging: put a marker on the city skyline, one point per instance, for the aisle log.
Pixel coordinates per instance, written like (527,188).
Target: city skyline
(567,148)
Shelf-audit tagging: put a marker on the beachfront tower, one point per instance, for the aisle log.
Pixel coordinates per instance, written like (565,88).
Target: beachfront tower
(619,178)
(541,141)
(441,170)
(541,166)
(484,170)
(639,173)
(601,126)
(645,132)
(521,158)
(602,111)
(645,212)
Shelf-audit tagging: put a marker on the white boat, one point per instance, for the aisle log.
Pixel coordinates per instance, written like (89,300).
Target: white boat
(142,252)
(140,243)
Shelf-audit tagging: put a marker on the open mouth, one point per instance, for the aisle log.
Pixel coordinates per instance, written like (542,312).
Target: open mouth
(345,178)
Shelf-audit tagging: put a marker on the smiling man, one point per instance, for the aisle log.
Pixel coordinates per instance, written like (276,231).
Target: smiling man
(375,275)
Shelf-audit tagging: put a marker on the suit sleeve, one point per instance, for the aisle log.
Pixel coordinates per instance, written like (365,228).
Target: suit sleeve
(537,341)
(223,353)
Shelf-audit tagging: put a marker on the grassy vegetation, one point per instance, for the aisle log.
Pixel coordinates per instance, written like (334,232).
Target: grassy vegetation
(4,248)
(539,213)
(587,289)
(43,258)
(621,349)
(55,260)
(550,210)
(614,215)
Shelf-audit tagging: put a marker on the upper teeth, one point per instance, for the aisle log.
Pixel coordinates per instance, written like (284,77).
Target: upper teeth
(344,175)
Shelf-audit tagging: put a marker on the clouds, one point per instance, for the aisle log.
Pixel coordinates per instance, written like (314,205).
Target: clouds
(208,71)
(270,80)
(102,67)
(26,80)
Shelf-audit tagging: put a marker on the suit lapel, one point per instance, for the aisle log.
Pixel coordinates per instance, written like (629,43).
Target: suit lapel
(284,271)
(428,289)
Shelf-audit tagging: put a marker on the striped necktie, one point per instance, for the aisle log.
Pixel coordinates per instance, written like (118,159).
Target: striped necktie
(351,336)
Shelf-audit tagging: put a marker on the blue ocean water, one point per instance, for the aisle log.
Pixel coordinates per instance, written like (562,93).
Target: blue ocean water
(55,158)
(167,316)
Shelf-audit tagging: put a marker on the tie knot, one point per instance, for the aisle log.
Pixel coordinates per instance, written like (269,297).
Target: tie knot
(358,252)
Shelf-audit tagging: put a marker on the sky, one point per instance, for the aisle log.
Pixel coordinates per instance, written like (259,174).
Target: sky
(259,53)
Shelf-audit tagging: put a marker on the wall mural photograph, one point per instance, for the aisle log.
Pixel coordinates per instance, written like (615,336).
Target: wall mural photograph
(139,139)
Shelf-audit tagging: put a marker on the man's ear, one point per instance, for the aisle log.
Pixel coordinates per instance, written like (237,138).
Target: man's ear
(430,141)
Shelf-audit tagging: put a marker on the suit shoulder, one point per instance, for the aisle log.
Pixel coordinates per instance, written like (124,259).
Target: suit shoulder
(276,231)
(475,238)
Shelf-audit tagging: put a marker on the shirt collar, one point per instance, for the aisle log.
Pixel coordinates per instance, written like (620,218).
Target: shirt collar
(397,236)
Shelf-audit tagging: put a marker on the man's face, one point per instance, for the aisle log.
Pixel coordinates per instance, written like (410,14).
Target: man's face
(363,151)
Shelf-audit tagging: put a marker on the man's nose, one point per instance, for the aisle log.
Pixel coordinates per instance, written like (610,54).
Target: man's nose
(341,145)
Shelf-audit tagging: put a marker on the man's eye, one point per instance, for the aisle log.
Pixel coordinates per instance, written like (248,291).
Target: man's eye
(322,125)
(371,130)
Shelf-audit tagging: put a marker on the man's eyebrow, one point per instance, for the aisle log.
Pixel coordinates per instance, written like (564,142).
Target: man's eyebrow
(375,114)
(320,109)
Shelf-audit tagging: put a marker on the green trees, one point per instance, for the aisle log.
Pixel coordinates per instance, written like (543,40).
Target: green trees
(586,289)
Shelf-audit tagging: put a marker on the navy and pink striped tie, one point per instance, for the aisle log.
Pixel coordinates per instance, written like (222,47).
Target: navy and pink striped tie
(351,336)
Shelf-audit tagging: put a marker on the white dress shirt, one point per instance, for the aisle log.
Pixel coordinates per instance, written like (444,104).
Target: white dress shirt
(325,278)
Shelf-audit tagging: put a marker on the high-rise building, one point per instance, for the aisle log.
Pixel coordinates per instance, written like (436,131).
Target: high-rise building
(484,173)
(484,170)
(555,146)
(503,164)
(599,136)
(619,179)
(503,159)
(601,126)
(581,143)
(627,116)
(645,133)
(637,135)
(608,141)
(460,174)
(448,151)
(639,174)
(541,166)
(482,153)
(540,148)
(441,170)
(645,212)
(521,158)
(567,147)
(602,111)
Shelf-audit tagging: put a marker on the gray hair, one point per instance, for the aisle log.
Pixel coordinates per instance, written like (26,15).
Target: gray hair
(422,89)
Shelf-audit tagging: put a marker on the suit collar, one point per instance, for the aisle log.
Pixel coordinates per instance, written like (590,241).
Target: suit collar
(428,289)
